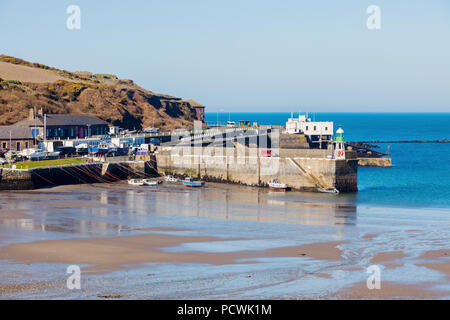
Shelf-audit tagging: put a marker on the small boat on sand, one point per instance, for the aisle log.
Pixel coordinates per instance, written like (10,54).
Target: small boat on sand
(275,185)
(333,191)
(171,179)
(189,182)
(152,183)
(136,182)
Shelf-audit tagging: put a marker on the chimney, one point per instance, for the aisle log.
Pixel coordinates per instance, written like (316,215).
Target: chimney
(41,112)
(31,114)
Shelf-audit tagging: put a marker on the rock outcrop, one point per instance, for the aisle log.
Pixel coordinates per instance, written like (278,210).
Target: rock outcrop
(117,101)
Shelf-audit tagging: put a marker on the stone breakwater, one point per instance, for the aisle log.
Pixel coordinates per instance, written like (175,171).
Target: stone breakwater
(18,179)
(375,162)
(298,171)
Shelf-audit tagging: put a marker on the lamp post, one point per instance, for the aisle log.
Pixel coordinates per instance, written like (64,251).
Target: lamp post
(45,127)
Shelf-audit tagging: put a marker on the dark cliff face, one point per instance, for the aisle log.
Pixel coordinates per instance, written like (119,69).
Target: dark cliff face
(119,102)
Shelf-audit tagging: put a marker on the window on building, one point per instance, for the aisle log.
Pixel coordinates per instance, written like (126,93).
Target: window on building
(315,128)
(326,128)
(4,145)
(35,132)
(306,128)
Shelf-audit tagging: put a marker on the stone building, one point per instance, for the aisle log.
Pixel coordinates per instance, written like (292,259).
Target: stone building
(63,126)
(26,133)
(16,138)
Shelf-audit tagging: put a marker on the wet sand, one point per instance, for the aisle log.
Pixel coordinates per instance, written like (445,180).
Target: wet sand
(120,252)
(390,290)
(14,215)
(439,261)
(223,241)
(387,256)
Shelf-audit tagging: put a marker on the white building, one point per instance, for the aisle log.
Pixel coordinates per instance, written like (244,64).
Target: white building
(319,134)
(304,125)
(113,130)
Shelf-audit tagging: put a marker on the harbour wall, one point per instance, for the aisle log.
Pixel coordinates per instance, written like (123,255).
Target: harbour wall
(17,179)
(375,162)
(296,170)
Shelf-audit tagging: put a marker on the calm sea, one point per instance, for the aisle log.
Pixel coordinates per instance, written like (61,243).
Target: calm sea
(420,176)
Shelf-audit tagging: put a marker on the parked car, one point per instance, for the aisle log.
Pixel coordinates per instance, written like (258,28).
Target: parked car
(11,154)
(67,151)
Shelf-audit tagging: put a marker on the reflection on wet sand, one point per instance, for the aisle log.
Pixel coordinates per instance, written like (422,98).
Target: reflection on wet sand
(255,204)
(218,202)
(286,243)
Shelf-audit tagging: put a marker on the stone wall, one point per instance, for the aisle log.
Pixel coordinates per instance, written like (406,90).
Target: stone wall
(15,179)
(346,175)
(300,173)
(306,153)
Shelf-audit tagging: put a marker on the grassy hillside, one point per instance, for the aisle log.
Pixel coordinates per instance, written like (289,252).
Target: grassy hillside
(25,85)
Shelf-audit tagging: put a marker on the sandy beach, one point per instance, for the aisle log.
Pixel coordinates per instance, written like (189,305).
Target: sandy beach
(220,242)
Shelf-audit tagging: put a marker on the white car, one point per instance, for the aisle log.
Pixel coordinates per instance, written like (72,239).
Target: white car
(27,152)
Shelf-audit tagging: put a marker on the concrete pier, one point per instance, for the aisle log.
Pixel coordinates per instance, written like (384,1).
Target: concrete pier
(305,170)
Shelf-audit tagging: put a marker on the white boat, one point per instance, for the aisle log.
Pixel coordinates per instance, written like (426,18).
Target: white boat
(171,179)
(334,191)
(82,148)
(275,185)
(38,155)
(53,155)
(136,182)
(27,152)
(148,182)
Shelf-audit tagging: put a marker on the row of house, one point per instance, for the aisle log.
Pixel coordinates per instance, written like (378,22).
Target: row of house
(26,133)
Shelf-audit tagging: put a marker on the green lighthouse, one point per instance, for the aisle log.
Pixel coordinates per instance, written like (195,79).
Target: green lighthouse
(339,145)
(339,135)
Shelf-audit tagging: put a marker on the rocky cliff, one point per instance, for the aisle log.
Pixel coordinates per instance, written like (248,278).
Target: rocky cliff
(25,85)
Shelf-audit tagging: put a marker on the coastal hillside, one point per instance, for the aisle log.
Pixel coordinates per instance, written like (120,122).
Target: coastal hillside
(25,85)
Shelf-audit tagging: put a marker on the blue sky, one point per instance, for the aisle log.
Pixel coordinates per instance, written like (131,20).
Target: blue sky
(253,56)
